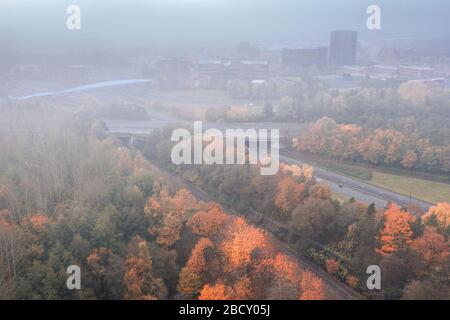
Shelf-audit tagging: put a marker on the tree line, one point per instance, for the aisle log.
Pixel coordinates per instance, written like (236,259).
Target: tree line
(385,147)
(413,108)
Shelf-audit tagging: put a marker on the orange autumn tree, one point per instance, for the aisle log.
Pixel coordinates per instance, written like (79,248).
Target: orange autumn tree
(241,240)
(184,201)
(305,171)
(397,233)
(207,223)
(191,277)
(218,291)
(434,249)
(286,267)
(197,260)
(286,276)
(332,266)
(97,260)
(352,281)
(311,287)
(439,216)
(39,221)
(139,281)
(167,214)
(289,194)
(320,191)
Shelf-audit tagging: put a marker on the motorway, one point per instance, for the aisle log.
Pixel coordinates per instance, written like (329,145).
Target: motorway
(339,184)
(366,192)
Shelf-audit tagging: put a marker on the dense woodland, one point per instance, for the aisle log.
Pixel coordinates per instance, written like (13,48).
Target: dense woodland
(72,199)
(344,238)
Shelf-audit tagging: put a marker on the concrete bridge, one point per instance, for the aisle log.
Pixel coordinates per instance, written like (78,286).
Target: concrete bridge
(132,133)
(146,127)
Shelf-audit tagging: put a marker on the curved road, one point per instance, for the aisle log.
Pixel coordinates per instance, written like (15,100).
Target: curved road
(96,85)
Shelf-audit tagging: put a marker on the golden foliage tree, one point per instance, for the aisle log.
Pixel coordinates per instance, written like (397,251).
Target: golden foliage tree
(289,194)
(439,215)
(332,266)
(434,249)
(218,291)
(167,215)
(241,240)
(397,232)
(208,223)
(139,281)
(39,221)
(311,287)
(191,277)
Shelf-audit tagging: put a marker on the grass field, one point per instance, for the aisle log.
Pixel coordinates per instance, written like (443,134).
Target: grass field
(422,189)
(426,190)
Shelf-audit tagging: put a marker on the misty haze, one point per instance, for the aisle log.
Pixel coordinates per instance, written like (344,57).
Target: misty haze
(224,150)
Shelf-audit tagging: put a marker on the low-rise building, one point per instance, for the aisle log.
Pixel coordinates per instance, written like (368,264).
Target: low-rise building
(296,58)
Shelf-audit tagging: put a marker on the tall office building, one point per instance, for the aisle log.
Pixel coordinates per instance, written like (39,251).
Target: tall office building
(343,47)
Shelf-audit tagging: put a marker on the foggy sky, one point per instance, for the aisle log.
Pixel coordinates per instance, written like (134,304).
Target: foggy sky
(41,24)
